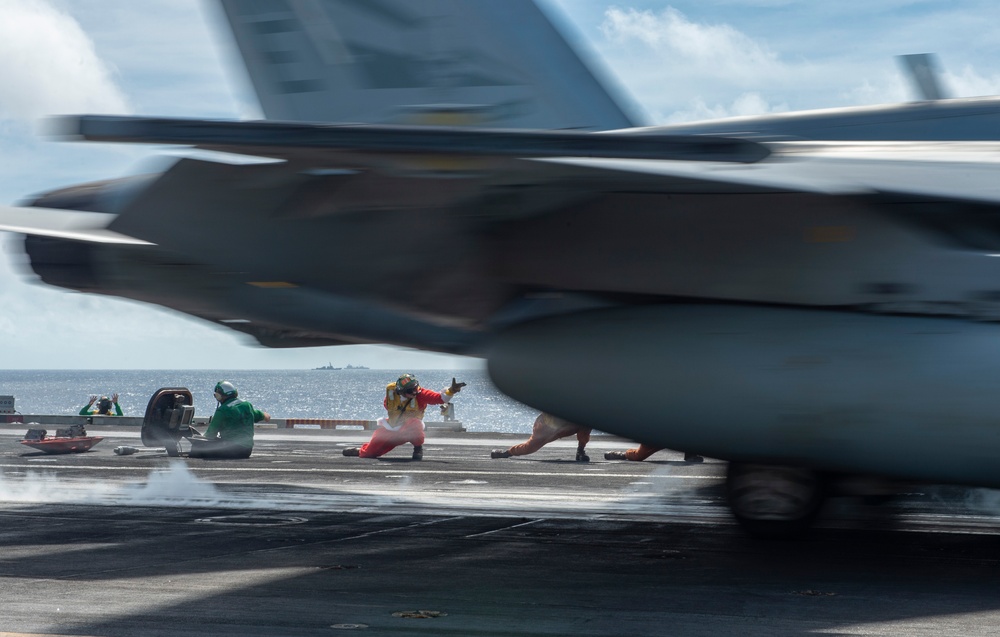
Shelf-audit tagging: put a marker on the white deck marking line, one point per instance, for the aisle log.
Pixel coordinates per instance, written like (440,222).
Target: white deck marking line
(378,532)
(49,468)
(506,528)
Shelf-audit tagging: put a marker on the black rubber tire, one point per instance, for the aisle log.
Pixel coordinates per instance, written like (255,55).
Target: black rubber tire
(772,501)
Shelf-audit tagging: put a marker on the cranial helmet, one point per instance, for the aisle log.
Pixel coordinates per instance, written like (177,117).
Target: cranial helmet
(407,384)
(104,405)
(226,389)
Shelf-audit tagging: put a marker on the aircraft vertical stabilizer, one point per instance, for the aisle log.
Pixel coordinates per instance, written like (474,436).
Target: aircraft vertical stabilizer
(923,73)
(495,63)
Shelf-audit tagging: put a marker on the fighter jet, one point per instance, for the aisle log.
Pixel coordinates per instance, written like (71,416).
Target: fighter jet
(809,296)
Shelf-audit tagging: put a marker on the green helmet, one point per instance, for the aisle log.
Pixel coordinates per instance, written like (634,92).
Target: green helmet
(407,384)
(226,389)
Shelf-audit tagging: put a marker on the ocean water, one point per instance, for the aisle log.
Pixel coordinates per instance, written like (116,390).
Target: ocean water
(355,394)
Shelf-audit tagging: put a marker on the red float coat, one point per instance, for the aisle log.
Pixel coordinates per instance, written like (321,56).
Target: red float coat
(404,422)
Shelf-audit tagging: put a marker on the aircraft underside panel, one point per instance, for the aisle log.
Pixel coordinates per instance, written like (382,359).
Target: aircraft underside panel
(276,315)
(898,396)
(784,248)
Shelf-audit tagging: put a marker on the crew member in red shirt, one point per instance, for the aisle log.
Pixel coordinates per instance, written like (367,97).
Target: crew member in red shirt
(405,402)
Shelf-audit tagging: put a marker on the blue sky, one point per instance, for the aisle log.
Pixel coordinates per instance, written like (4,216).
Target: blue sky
(675,61)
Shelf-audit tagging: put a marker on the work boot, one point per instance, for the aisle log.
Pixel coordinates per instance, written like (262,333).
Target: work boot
(581,456)
(352,451)
(615,455)
(500,453)
(418,452)
(693,458)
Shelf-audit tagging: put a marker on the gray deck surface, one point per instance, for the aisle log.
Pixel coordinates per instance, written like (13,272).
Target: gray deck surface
(301,541)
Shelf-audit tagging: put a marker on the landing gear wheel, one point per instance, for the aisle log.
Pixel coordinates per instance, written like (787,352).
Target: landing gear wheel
(771,501)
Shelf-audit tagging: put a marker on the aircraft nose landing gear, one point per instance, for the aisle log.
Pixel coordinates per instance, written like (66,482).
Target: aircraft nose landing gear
(772,501)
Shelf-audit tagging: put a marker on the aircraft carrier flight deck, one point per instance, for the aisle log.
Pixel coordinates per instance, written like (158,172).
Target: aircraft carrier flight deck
(299,540)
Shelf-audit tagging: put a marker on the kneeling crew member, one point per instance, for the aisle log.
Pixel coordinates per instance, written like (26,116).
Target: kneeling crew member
(643,451)
(405,402)
(546,429)
(230,433)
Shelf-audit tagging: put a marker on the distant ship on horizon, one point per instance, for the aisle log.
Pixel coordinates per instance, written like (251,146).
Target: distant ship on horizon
(331,367)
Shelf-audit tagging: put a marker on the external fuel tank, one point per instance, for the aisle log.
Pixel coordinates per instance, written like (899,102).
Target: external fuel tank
(899,396)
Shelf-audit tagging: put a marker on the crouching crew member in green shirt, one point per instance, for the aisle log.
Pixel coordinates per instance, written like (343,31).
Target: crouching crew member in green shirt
(230,432)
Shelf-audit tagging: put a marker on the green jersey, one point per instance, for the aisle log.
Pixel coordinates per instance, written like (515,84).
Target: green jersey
(233,422)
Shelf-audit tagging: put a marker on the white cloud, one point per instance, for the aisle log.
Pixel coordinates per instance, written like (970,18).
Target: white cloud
(50,65)
(745,105)
(969,83)
(682,70)
(888,89)
(731,60)
(715,50)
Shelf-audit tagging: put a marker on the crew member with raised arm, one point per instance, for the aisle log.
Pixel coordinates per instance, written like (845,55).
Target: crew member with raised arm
(103,406)
(405,402)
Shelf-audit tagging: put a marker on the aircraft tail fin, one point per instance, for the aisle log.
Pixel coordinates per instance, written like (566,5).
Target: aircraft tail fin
(924,74)
(494,63)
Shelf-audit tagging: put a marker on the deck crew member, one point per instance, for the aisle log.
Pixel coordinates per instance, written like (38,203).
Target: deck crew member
(405,402)
(103,407)
(546,429)
(643,451)
(230,431)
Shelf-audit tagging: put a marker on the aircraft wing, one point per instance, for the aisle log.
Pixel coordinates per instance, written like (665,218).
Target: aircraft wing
(76,225)
(314,143)
(962,171)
